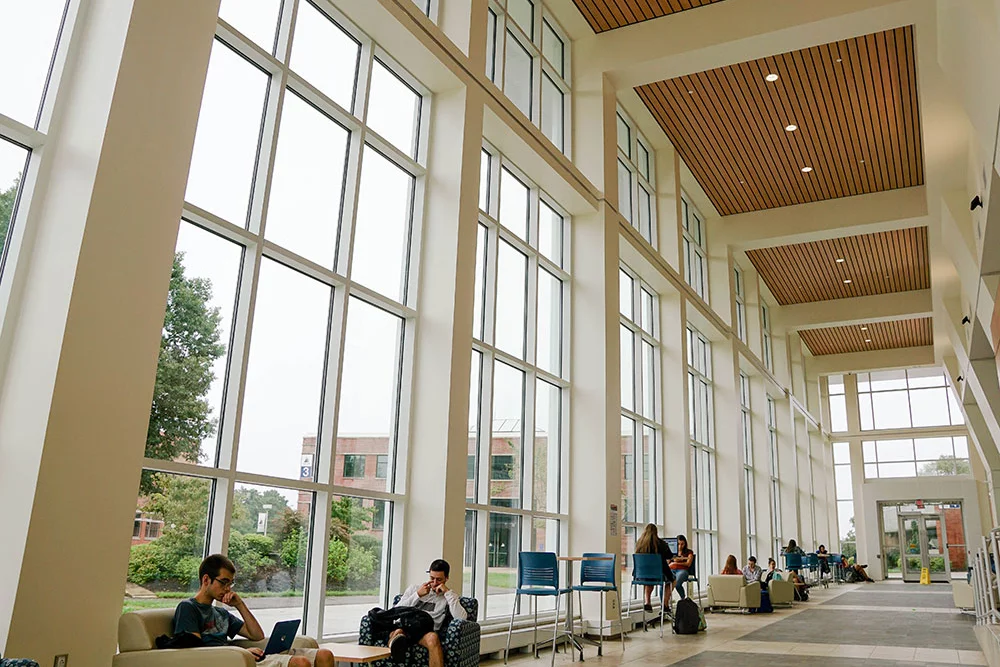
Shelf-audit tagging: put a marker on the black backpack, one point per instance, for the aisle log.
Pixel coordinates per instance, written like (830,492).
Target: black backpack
(686,617)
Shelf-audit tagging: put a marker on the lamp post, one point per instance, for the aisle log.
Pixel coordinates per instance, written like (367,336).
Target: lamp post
(267,508)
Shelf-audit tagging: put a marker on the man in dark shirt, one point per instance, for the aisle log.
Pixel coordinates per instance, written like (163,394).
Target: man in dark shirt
(216,626)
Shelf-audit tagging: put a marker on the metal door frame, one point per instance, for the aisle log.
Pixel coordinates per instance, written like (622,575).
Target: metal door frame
(923,545)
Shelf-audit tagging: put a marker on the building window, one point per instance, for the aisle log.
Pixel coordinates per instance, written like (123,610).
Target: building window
(739,290)
(518,362)
(772,438)
(704,494)
(845,498)
(328,273)
(137,526)
(838,403)
(915,398)
(913,457)
(25,110)
(746,423)
(636,184)
(695,249)
(354,466)
(527,56)
(765,328)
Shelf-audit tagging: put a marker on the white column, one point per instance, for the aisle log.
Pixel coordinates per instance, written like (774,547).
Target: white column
(76,396)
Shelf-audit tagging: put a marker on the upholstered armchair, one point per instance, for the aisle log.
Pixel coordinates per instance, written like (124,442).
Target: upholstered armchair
(460,641)
(17,662)
(782,592)
(732,591)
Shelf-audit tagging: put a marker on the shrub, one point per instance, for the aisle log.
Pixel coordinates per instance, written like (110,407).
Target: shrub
(360,568)
(336,563)
(148,562)
(252,555)
(369,543)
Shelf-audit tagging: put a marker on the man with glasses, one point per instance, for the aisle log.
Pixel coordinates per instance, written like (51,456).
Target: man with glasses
(216,626)
(440,602)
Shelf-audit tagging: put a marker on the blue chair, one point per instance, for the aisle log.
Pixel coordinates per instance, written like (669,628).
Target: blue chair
(836,562)
(647,570)
(693,576)
(599,575)
(812,564)
(537,576)
(793,562)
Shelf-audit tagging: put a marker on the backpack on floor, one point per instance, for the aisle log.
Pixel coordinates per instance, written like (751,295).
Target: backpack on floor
(686,617)
(765,602)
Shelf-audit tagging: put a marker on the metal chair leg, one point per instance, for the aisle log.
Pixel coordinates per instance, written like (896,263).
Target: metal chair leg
(555,630)
(600,630)
(535,631)
(661,611)
(510,629)
(621,623)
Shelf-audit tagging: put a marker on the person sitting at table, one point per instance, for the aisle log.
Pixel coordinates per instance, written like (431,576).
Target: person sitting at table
(793,548)
(801,587)
(824,557)
(751,572)
(650,542)
(434,597)
(730,566)
(772,572)
(681,565)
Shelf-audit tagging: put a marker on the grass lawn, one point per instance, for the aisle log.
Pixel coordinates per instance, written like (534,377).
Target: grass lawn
(169,599)
(501,579)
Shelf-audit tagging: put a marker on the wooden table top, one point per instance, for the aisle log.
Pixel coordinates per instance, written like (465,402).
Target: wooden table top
(357,653)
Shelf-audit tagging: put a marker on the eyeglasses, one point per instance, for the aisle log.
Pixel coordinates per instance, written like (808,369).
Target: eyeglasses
(225,583)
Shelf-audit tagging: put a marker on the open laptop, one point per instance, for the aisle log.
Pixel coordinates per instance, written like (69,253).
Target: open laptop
(672,543)
(282,636)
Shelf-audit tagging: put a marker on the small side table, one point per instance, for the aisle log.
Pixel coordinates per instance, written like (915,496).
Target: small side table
(356,654)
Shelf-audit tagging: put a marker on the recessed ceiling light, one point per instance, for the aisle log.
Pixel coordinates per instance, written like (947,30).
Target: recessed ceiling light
(847,281)
(862,161)
(838,60)
(868,340)
(742,182)
(806,170)
(791,127)
(864,328)
(690,92)
(771,77)
(840,260)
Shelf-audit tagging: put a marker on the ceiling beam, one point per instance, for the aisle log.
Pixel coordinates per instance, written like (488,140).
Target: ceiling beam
(858,310)
(906,357)
(829,219)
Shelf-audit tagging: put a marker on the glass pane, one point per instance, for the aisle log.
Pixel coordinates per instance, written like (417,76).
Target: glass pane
(841,452)
(13,159)
(549,356)
(944,465)
(257,19)
(548,416)
(468,582)
(307,189)
(645,206)
(480,297)
(907,469)
(836,384)
(324,55)
(865,411)
(225,146)
(845,519)
(838,413)
(393,109)
(523,13)
(491,46)
(26,47)
(932,448)
(627,341)
(168,539)
(625,294)
(380,257)
(628,469)
(269,544)
(475,399)
(369,390)
(284,371)
(624,136)
(624,191)
(505,444)
(646,303)
(648,477)
(191,370)
(891,409)
(894,450)
(518,77)
(871,470)
(961,447)
(868,447)
(355,563)
(845,491)
(512,270)
(513,204)
(648,375)
(883,380)
(957,418)
(864,382)
(925,377)
(550,233)
(642,158)
(552,48)
(484,181)
(929,407)
(552,111)
(501,564)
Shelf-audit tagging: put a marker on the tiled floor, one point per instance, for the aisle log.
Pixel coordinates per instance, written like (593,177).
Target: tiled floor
(854,625)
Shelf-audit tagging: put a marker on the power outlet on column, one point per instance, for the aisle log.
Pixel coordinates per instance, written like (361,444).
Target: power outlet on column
(61,660)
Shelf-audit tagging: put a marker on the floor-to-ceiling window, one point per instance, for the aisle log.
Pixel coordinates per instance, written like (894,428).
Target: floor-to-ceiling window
(775,490)
(845,498)
(702,439)
(636,183)
(520,393)
(746,424)
(914,398)
(838,403)
(528,57)
(695,249)
(282,377)
(641,419)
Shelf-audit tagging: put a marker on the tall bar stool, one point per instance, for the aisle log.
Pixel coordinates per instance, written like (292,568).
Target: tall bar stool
(647,570)
(598,575)
(537,576)
(793,562)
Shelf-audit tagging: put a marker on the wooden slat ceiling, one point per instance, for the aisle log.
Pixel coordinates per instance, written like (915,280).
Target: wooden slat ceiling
(883,336)
(855,105)
(879,263)
(604,15)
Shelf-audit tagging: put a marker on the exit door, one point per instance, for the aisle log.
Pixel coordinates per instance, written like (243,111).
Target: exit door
(921,546)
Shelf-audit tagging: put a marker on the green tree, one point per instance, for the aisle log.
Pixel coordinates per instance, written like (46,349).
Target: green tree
(7,198)
(947,465)
(249,502)
(180,417)
(348,516)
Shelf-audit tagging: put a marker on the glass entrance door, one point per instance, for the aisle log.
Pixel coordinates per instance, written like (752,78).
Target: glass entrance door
(921,546)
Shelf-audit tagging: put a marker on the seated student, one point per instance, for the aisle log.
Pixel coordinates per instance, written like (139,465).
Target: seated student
(442,603)
(681,565)
(650,542)
(772,572)
(824,558)
(801,587)
(793,548)
(751,572)
(216,626)
(730,566)
(859,570)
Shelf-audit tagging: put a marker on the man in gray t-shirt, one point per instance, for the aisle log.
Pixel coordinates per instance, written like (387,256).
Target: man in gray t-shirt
(434,597)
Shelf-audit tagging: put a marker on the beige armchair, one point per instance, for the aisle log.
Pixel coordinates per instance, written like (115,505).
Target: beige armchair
(962,594)
(732,591)
(781,591)
(138,630)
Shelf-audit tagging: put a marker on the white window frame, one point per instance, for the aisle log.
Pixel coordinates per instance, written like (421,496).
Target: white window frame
(746,424)
(739,294)
(775,488)
(702,442)
(767,346)
(955,416)
(695,246)
(628,157)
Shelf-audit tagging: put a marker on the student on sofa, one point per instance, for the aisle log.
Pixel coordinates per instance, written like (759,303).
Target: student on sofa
(434,597)
(730,566)
(752,572)
(216,626)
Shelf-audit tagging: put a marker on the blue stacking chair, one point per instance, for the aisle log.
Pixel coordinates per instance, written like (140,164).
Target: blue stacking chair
(693,576)
(812,564)
(836,562)
(793,562)
(537,576)
(647,570)
(599,575)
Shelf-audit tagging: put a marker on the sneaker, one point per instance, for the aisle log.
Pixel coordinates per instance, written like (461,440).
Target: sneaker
(398,646)
(647,607)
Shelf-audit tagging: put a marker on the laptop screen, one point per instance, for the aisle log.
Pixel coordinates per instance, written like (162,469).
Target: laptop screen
(672,543)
